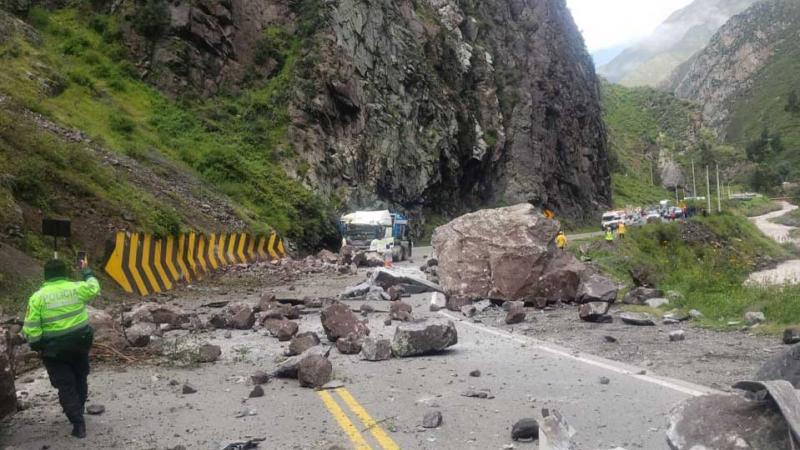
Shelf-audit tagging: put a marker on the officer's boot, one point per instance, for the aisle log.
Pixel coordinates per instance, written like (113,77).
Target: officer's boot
(79,430)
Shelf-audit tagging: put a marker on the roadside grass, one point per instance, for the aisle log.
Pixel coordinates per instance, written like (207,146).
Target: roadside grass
(236,143)
(707,261)
(791,219)
(756,207)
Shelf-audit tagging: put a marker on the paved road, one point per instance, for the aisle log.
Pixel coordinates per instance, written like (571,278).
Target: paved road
(381,405)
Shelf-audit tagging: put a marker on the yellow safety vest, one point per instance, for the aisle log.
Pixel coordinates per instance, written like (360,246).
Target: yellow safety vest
(59,308)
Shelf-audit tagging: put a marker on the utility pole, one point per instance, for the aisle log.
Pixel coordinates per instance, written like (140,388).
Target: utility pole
(652,180)
(719,193)
(676,195)
(694,182)
(708,190)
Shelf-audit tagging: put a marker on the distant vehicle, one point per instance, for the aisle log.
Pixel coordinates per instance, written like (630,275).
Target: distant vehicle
(612,219)
(377,231)
(652,216)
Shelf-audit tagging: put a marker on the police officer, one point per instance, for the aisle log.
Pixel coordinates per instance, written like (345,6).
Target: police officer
(57,326)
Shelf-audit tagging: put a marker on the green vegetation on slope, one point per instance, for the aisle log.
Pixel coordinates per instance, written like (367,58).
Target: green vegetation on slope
(641,123)
(236,143)
(707,260)
(764,120)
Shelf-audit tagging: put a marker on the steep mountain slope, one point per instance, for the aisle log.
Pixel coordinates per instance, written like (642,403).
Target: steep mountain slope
(744,81)
(651,61)
(159,116)
(654,138)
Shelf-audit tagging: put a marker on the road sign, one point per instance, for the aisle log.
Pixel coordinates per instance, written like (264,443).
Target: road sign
(56,228)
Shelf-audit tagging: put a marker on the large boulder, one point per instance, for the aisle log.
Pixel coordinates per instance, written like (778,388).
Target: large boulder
(138,335)
(560,281)
(783,366)
(726,422)
(597,288)
(493,253)
(8,393)
(415,339)
(303,342)
(594,312)
(338,321)
(158,313)
(106,330)
(499,253)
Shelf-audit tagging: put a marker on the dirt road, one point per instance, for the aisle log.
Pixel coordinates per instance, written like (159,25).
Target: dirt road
(787,271)
(545,362)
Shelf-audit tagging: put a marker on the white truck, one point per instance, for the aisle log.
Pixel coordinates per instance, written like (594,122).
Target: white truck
(377,231)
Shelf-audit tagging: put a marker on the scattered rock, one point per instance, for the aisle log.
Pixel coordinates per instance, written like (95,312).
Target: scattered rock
(783,366)
(642,277)
(677,335)
(208,353)
(423,338)
(469,310)
(303,342)
(350,344)
(700,422)
(754,317)
(791,335)
(432,419)
(411,284)
(604,380)
(639,319)
(476,394)
(256,392)
(638,295)
(286,330)
(438,301)
(400,311)
(366,309)
(240,316)
(456,302)
(314,371)
(157,313)
(338,321)
(593,311)
(95,409)
(597,288)
(525,429)
(656,302)
(676,315)
(395,292)
(373,349)
(188,388)
(139,334)
(610,339)
(388,322)
(475,373)
(259,377)
(516,313)
(695,314)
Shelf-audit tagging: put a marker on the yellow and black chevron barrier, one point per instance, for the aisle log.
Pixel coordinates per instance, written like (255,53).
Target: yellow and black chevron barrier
(142,263)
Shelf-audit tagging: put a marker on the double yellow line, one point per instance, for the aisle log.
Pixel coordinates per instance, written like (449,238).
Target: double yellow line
(352,432)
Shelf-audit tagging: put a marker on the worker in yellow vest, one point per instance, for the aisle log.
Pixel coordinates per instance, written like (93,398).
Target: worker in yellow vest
(561,241)
(621,230)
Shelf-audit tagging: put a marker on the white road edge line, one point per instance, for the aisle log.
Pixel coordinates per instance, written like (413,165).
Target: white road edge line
(695,390)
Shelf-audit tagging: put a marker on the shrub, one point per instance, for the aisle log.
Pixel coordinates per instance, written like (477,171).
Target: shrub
(39,17)
(151,18)
(121,124)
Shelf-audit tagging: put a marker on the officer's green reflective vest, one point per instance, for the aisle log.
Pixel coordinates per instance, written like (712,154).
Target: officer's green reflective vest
(59,308)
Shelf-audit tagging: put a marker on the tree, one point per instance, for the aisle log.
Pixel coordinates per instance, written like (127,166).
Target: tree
(763,179)
(758,149)
(793,103)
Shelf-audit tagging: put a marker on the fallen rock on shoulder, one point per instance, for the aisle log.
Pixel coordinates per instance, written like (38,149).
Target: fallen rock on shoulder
(338,321)
(373,349)
(525,429)
(432,336)
(638,319)
(314,371)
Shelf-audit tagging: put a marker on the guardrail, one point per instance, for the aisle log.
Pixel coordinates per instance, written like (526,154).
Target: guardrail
(145,264)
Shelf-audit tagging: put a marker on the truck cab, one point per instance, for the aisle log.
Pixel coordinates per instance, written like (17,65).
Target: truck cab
(377,231)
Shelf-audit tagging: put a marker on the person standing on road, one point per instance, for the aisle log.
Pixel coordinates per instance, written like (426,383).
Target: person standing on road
(561,241)
(57,326)
(621,230)
(609,235)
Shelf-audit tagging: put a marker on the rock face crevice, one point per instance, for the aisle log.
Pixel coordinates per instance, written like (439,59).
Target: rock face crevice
(423,105)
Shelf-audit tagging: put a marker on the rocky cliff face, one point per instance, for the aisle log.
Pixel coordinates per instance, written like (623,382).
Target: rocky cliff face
(440,105)
(726,69)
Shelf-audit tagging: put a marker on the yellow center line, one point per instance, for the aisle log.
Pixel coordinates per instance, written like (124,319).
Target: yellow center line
(352,432)
(377,432)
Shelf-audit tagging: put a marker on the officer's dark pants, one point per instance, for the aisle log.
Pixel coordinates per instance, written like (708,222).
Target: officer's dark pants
(68,373)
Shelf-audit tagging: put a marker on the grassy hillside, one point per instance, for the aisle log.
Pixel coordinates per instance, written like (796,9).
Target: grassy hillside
(74,70)
(706,260)
(643,122)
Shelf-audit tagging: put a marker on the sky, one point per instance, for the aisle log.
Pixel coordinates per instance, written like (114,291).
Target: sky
(615,23)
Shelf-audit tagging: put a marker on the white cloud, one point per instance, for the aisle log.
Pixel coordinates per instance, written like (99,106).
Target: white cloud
(610,23)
